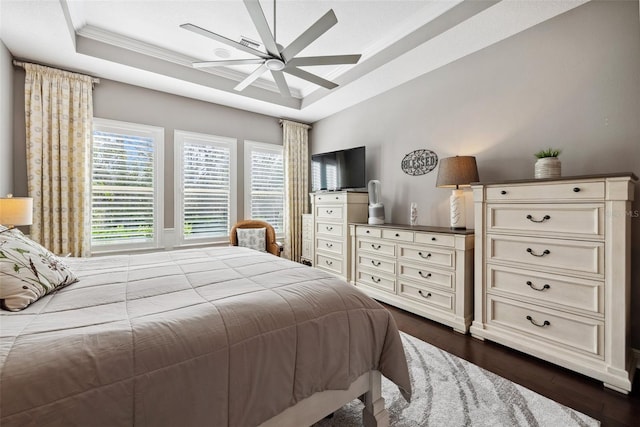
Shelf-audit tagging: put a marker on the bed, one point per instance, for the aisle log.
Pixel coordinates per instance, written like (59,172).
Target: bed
(217,336)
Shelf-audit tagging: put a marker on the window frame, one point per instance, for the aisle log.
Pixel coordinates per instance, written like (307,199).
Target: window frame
(250,146)
(157,134)
(179,139)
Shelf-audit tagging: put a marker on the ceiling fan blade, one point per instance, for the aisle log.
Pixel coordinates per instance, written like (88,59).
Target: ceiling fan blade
(224,63)
(222,39)
(324,60)
(251,78)
(310,77)
(327,21)
(257,16)
(282,83)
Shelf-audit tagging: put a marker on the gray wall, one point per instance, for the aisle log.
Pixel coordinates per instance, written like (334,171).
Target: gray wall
(572,83)
(6,123)
(119,101)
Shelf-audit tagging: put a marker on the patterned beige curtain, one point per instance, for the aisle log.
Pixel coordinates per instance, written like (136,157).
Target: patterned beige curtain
(59,115)
(296,175)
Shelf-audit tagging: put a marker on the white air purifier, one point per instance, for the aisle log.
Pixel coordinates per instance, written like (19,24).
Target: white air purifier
(376,208)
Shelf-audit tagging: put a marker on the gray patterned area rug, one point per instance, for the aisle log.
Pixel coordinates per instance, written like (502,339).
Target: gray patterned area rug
(449,391)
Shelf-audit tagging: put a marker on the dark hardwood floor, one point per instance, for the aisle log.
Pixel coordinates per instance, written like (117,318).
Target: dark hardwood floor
(574,390)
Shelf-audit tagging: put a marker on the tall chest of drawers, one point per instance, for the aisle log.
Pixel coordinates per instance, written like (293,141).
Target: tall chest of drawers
(552,271)
(425,270)
(332,212)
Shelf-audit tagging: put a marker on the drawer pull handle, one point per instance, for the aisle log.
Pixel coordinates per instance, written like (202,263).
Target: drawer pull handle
(329,228)
(544,218)
(368,231)
(576,189)
(546,286)
(397,235)
(329,245)
(328,262)
(428,295)
(433,239)
(375,279)
(375,263)
(337,198)
(427,256)
(376,247)
(546,252)
(503,192)
(423,275)
(329,211)
(533,322)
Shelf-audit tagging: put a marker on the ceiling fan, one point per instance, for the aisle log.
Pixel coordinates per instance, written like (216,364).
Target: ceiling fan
(276,59)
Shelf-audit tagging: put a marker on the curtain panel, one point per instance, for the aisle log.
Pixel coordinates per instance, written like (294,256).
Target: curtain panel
(59,115)
(296,166)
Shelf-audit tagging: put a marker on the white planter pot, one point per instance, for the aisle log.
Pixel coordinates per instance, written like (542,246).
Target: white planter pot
(547,167)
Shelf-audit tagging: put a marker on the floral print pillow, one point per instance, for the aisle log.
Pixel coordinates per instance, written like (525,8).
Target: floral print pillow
(252,238)
(28,271)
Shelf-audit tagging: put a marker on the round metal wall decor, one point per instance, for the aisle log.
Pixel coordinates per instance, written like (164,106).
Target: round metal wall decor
(419,162)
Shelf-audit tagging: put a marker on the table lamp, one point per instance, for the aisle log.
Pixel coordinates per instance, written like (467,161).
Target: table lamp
(456,172)
(16,211)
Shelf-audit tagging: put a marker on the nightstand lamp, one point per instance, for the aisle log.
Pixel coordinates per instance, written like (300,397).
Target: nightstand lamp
(456,172)
(16,211)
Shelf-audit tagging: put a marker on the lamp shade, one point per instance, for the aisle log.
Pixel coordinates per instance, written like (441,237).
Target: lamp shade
(16,210)
(455,172)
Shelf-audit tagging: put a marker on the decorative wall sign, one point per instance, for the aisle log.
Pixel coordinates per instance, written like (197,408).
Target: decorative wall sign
(419,162)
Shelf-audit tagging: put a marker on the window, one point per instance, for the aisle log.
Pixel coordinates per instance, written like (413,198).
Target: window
(126,189)
(264,183)
(205,192)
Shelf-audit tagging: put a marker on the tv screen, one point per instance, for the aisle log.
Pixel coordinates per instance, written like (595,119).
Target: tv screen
(338,170)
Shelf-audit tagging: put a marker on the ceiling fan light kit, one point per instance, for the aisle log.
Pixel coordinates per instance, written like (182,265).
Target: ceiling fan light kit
(276,59)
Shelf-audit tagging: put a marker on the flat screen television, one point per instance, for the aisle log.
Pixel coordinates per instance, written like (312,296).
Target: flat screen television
(338,170)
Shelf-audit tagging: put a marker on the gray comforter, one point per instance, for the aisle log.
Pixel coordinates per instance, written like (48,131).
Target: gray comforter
(213,337)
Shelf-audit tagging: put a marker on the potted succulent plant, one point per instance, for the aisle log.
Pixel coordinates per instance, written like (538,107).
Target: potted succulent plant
(548,164)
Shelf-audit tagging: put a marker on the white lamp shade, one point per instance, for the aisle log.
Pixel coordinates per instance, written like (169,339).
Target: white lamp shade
(16,211)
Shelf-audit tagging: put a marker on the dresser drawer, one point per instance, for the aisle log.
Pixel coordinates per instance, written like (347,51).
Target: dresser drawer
(560,291)
(435,239)
(329,212)
(426,295)
(428,256)
(376,246)
(375,263)
(327,263)
(561,255)
(547,192)
(328,198)
(327,245)
(376,280)
(368,231)
(329,229)
(400,235)
(580,333)
(566,219)
(426,275)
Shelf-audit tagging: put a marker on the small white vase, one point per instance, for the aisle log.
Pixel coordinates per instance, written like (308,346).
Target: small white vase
(548,167)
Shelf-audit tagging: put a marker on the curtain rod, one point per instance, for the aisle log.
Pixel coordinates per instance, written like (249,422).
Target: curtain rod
(94,80)
(303,124)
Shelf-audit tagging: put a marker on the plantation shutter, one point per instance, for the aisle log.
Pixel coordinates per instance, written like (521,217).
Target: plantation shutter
(122,188)
(206,193)
(267,187)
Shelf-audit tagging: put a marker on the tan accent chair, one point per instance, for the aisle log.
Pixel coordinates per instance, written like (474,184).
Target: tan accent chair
(274,247)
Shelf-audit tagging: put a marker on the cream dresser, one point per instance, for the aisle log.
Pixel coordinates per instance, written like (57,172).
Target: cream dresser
(552,271)
(307,239)
(332,212)
(425,270)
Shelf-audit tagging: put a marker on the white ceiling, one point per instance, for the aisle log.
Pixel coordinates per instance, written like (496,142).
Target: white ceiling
(140,42)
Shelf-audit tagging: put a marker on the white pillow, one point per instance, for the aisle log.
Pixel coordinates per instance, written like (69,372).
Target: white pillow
(252,238)
(28,271)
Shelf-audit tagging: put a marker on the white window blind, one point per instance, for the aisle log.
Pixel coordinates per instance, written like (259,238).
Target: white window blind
(125,193)
(205,187)
(264,184)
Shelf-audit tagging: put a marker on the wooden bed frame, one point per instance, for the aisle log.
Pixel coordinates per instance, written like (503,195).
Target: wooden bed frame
(367,387)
